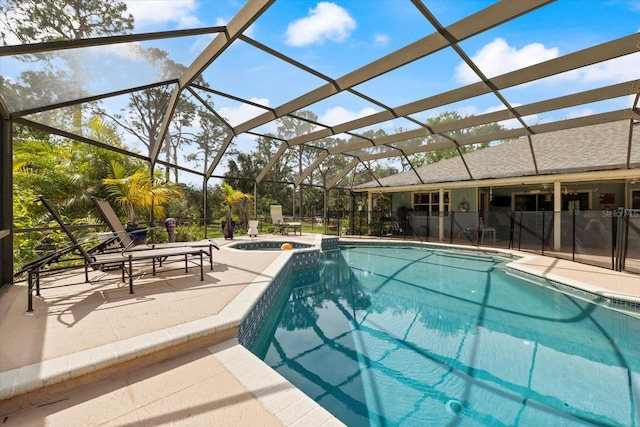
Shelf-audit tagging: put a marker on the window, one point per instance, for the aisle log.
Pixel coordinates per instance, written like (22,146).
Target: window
(430,201)
(635,199)
(575,201)
(533,202)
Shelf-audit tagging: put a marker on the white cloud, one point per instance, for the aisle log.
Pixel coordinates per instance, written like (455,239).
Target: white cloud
(129,51)
(180,12)
(327,21)
(380,39)
(203,41)
(498,58)
(243,112)
(613,71)
(583,112)
(620,69)
(472,110)
(336,115)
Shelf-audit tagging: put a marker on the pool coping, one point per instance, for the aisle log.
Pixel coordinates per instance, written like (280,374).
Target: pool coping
(289,404)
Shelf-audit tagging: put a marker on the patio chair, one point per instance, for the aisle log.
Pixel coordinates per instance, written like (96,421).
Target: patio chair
(128,243)
(99,258)
(277,219)
(484,229)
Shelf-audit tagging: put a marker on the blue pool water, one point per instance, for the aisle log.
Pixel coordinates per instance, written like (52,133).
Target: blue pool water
(390,336)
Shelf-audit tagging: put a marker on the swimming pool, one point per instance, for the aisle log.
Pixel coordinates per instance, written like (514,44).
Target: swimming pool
(408,336)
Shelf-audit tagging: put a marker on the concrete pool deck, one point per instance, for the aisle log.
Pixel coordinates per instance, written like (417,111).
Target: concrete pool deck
(92,354)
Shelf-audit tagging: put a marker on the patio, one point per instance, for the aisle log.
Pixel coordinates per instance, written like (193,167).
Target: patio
(93,354)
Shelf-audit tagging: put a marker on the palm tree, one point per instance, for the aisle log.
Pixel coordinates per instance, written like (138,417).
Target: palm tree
(138,190)
(234,200)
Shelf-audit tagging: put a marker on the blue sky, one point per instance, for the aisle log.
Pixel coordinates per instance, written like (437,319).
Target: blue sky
(341,36)
(338,37)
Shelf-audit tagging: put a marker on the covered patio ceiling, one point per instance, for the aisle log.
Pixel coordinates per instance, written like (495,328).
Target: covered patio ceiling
(391,125)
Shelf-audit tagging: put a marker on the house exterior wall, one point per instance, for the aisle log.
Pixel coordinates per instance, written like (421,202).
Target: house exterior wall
(602,196)
(467,195)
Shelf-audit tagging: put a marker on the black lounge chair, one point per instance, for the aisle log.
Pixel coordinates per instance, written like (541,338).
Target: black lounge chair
(128,243)
(100,259)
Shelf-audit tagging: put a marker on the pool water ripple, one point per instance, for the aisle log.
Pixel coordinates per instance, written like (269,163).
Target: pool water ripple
(391,336)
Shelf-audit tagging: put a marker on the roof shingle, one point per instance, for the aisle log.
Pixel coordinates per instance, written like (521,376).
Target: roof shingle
(583,149)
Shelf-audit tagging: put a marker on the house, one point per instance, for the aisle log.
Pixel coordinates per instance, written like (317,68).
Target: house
(593,168)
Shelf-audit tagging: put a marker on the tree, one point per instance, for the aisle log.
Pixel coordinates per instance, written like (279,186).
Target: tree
(67,172)
(138,190)
(447,153)
(33,21)
(370,169)
(208,140)
(291,127)
(48,20)
(234,200)
(144,114)
(241,166)
(322,174)
(271,189)
(43,167)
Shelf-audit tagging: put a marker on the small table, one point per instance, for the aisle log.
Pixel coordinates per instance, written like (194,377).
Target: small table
(295,226)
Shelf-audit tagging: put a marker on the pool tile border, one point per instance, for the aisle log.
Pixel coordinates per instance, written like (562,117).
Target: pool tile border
(630,305)
(255,318)
(267,245)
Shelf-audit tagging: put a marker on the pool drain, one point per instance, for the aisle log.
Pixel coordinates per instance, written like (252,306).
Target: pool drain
(454,407)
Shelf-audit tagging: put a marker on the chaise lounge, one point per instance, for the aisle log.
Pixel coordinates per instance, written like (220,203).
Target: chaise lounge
(128,243)
(106,259)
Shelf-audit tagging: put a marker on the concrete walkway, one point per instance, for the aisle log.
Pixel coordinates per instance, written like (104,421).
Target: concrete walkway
(93,354)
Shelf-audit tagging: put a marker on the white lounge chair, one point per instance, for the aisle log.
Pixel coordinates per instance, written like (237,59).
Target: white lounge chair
(278,220)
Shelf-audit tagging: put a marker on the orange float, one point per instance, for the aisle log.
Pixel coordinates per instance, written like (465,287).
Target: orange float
(286,247)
